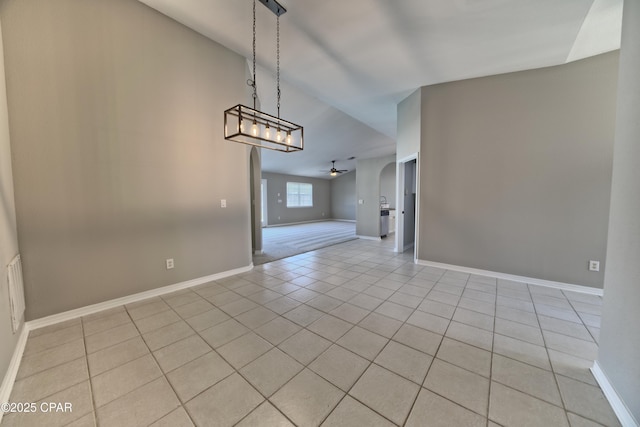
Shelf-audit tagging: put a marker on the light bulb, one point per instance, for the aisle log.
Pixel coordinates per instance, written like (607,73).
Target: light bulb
(241,126)
(278,135)
(254,129)
(289,139)
(267,132)
(333,173)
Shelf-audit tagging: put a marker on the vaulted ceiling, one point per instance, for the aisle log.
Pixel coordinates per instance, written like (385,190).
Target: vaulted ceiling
(345,65)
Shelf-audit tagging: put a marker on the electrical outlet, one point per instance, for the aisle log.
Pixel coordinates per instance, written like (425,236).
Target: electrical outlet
(360,201)
(594,265)
(169,263)
(223,203)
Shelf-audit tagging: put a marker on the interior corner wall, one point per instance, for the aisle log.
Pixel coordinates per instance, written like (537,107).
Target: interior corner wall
(8,228)
(619,350)
(409,125)
(516,171)
(277,211)
(119,159)
(343,196)
(368,190)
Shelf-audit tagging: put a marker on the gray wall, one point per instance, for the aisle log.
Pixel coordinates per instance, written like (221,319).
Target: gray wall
(8,230)
(343,196)
(388,184)
(119,161)
(368,190)
(516,171)
(619,337)
(409,125)
(278,213)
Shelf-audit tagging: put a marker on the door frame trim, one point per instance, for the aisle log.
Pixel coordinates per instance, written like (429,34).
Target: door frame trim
(400,175)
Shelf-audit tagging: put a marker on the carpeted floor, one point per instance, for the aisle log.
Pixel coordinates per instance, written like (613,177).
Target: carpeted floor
(288,240)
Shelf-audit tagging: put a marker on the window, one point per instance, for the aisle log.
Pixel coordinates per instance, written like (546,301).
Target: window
(299,195)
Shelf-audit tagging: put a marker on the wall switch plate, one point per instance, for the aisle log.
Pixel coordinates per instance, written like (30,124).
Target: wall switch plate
(594,265)
(169,263)
(223,203)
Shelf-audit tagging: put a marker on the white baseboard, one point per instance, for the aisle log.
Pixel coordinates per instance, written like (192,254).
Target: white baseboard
(617,404)
(297,223)
(14,366)
(260,252)
(515,278)
(343,220)
(377,239)
(90,309)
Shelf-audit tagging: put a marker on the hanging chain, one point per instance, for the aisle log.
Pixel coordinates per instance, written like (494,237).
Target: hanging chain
(252,82)
(278,60)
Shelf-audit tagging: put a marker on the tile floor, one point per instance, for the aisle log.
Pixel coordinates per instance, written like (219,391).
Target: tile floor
(351,335)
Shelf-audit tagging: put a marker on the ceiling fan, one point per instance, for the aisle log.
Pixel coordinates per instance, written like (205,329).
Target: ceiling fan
(334,171)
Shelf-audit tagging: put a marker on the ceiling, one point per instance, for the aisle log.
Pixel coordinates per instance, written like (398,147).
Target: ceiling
(345,65)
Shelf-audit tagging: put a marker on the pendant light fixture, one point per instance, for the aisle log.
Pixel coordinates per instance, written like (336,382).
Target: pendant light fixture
(251,126)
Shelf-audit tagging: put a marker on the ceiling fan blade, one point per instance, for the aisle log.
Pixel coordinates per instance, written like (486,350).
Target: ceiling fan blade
(333,171)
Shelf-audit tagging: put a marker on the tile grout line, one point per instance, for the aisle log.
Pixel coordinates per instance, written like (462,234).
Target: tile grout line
(138,358)
(379,313)
(307,366)
(346,349)
(86,359)
(53,367)
(493,340)
(555,378)
(582,320)
(372,362)
(424,380)
(556,375)
(327,313)
(150,352)
(155,359)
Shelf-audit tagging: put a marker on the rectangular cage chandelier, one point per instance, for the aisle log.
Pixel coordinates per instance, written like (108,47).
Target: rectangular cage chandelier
(250,126)
(253,127)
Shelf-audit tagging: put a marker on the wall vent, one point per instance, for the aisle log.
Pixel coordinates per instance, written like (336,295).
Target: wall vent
(16,292)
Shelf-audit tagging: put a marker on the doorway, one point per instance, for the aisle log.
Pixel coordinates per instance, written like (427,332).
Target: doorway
(407,197)
(388,196)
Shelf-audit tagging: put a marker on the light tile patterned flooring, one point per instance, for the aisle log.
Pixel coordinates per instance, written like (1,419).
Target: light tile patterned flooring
(351,335)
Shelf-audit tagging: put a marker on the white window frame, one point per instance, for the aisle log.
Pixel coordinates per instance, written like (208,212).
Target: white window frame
(296,202)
